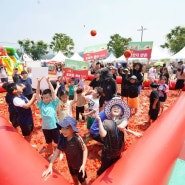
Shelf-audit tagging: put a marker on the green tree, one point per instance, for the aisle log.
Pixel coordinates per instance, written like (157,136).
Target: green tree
(35,49)
(175,40)
(117,45)
(62,42)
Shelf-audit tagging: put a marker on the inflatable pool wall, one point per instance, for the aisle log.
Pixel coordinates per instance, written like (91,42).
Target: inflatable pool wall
(149,161)
(20,163)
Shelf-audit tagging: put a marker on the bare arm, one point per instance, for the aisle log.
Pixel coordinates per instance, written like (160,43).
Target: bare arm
(38,88)
(85,153)
(28,105)
(155,103)
(102,131)
(51,88)
(50,170)
(122,125)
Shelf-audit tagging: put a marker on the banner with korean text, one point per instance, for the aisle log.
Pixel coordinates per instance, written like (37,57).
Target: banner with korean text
(141,49)
(95,52)
(76,69)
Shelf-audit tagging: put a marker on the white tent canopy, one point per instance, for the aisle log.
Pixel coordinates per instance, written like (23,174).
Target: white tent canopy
(76,56)
(121,59)
(59,57)
(180,55)
(159,53)
(111,58)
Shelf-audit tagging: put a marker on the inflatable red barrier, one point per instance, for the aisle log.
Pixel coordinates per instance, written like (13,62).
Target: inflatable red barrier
(20,163)
(147,162)
(146,82)
(150,160)
(1,88)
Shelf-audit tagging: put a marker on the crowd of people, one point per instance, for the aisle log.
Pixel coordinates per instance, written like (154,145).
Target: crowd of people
(105,110)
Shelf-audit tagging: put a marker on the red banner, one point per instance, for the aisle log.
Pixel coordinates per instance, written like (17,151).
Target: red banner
(95,55)
(71,73)
(141,53)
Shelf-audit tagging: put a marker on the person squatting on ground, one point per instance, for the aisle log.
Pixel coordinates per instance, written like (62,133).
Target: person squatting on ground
(47,104)
(74,148)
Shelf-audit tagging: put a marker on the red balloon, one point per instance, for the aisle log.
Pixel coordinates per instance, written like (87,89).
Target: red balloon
(127,53)
(93,33)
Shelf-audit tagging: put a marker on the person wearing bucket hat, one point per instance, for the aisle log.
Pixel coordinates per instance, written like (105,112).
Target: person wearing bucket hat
(117,112)
(74,148)
(138,70)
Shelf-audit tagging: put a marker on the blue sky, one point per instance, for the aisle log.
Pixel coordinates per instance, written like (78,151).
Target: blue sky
(41,19)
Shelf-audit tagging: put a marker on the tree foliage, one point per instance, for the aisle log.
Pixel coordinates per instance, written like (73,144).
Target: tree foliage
(117,44)
(175,40)
(62,42)
(35,50)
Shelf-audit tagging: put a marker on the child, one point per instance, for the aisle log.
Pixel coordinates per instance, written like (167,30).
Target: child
(15,76)
(22,105)
(113,138)
(75,149)
(180,75)
(93,105)
(71,88)
(13,113)
(133,101)
(64,105)
(96,80)
(80,104)
(154,104)
(62,83)
(124,73)
(27,82)
(47,105)
(163,90)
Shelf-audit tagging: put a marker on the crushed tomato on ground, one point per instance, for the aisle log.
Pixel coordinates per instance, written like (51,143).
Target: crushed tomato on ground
(93,161)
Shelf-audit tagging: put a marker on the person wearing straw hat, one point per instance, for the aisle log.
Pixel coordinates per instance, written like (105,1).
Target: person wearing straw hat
(117,112)
(74,148)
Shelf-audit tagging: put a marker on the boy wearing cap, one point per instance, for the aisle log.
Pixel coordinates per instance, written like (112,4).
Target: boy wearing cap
(75,149)
(117,112)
